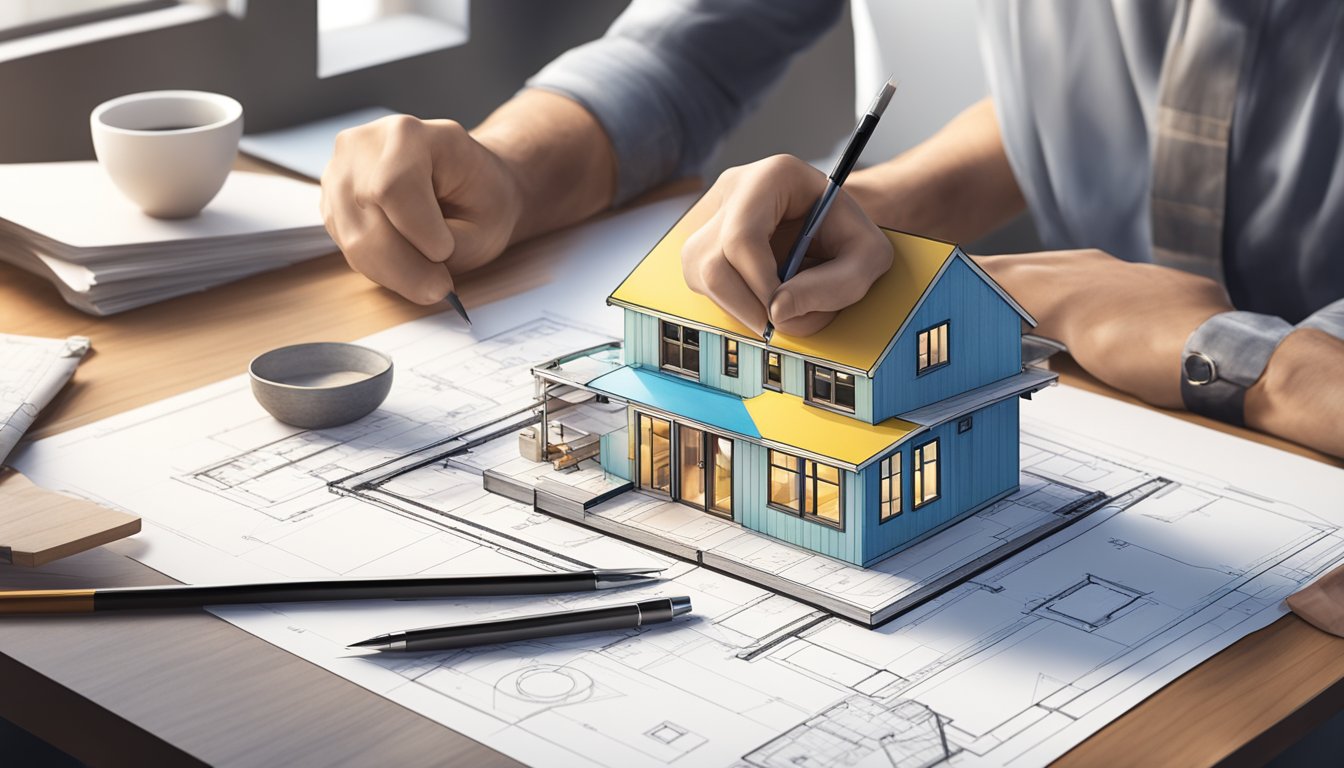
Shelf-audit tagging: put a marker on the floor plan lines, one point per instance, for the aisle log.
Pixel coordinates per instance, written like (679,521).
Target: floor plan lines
(1013,662)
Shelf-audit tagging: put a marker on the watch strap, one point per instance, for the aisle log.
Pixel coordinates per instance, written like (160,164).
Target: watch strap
(1329,319)
(1223,358)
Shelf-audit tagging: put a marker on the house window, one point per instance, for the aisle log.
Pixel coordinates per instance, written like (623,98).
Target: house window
(924,464)
(805,488)
(889,488)
(830,388)
(774,371)
(680,349)
(730,358)
(931,348)
(965,424)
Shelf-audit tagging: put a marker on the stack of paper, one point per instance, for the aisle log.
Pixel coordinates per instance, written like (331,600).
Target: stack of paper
(69,224)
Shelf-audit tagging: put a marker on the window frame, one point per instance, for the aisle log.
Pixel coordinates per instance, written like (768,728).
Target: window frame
(803,470)
(946,347)
(765,371)
(732,358)
(885,477)
(917,468)
(680,341)
(810,370)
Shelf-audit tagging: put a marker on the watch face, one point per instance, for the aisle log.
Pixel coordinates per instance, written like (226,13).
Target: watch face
(1199,368)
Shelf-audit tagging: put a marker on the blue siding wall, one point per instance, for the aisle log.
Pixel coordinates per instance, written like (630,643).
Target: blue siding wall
(748,381)
(641,339)
(984,343)
(751,509)
(975,466)
(615,453)
(793,375)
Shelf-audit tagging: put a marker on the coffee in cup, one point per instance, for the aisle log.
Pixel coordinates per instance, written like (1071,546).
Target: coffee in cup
(168,151)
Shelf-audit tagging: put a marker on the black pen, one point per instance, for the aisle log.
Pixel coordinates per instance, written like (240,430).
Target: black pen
(397,588)
(605,619)
(853,148)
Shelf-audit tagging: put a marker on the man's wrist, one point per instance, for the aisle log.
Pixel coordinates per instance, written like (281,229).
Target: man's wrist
(1223,358)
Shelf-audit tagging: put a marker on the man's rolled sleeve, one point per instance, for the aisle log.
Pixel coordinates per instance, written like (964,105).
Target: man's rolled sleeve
(670,78)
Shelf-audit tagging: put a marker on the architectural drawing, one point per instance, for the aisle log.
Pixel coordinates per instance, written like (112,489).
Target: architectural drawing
(32,371)
(1011,665)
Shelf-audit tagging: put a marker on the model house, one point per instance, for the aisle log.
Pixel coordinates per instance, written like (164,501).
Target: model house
(897,419)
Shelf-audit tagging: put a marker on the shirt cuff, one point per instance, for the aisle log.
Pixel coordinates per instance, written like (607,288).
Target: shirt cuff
(1329,319)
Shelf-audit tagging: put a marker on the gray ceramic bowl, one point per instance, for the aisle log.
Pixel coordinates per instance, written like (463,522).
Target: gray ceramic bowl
(320,385)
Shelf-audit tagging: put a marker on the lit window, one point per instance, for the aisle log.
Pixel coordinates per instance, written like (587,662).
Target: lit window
(830,387)
(730,358)
(359,34)
(805,487)
(889,488)
(784,480)
(774,371)
(680,349)
(924,464)
(931,348)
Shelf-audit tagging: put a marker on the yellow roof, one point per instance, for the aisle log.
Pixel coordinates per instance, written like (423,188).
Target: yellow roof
(787,420)
(856,338)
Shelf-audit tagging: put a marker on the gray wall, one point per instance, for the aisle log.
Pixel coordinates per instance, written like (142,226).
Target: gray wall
(268,61)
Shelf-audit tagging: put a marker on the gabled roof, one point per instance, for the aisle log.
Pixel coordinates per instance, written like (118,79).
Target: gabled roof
(856,340)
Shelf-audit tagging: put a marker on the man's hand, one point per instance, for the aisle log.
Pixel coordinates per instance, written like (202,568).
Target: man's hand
(408,199)
(734,258)
(1125,323)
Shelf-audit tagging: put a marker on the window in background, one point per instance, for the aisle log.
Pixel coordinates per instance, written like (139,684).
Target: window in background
(358,34)
(31,16)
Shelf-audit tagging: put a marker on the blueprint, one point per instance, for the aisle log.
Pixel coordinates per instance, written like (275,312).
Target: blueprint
(32,371)
(1013,667)
(1199,539)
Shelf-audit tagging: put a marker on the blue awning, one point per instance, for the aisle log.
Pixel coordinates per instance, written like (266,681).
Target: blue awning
(675,395)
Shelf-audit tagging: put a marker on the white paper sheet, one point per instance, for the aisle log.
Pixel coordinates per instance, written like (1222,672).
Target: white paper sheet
(32,371)
(1014,667)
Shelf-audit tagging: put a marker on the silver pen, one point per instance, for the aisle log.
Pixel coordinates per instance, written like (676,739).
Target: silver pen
(603,619)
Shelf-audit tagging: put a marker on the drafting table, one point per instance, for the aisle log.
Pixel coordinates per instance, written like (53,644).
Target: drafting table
(112,689)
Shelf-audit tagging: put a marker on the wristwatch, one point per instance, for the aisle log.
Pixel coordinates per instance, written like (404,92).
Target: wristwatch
(1223,358)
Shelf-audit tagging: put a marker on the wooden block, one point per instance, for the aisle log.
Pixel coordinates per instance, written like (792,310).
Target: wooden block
(38,526)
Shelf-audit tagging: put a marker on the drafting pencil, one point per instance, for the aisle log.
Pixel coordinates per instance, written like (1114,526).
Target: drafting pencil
(195,596)
(607,618)
(853,148)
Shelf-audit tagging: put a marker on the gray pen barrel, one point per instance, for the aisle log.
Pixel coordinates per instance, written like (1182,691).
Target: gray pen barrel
(614,617)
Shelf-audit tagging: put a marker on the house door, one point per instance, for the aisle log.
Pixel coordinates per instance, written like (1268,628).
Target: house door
(691,465)
(655,454)
(705,470)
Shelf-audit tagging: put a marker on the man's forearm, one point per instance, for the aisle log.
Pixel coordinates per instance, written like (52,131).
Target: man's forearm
(560,156)
(1300,395)
(956,186)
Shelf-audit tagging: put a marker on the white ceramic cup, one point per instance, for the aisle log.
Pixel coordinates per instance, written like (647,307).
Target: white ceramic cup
(168,151)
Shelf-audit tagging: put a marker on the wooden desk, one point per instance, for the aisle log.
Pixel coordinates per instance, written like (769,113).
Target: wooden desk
(115,690)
